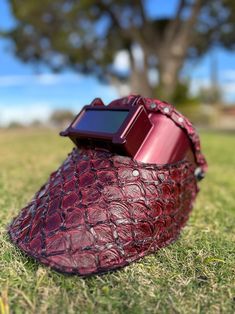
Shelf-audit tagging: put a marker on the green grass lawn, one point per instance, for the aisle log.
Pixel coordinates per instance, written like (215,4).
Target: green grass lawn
(193,275)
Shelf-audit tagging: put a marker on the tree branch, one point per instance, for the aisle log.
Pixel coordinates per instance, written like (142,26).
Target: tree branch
(111,14)
(174,24)
(142,11)
(194,13)
(180,8)
(185,33)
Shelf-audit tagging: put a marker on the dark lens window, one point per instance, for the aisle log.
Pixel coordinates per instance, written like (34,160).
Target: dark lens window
(101,121)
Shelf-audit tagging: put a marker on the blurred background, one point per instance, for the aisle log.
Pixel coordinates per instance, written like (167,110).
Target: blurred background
(57,55)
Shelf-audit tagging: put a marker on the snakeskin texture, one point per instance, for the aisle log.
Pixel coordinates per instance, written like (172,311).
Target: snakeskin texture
(100,211)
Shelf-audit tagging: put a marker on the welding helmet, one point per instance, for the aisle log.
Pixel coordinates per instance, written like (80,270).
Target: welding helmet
(124,191)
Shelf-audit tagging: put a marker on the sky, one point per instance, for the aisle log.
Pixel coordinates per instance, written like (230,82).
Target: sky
(26,95)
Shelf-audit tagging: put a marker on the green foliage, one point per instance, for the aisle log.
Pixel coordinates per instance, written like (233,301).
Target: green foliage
(36,124)
(181,95)
(194,275)
(15,125)
(86,35)
(188,105)
(210,95)
(60,118)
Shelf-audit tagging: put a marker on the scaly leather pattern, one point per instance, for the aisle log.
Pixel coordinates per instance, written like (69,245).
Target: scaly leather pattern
(100,211)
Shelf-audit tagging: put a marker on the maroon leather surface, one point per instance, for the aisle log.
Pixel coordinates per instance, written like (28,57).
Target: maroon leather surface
(100,211)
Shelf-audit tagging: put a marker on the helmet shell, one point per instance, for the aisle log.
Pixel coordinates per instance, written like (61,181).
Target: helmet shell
(100,211)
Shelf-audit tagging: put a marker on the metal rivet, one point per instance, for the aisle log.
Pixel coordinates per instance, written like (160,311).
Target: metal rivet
(135,173)
(199,174)
(109,245)
(153,105)
(115,234)
(166,110)
(180,120)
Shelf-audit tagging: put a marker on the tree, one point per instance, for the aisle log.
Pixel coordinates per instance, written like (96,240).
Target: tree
(61,118)
(87,34)
(15,125)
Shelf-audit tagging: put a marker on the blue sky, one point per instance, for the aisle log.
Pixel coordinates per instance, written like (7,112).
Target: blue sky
(26,95)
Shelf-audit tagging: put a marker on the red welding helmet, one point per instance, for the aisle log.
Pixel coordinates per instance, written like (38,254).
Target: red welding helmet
(124,191)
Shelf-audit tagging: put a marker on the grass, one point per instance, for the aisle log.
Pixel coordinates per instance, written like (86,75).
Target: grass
(194,275)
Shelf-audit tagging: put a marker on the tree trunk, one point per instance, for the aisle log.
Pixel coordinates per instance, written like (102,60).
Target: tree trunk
(169,48)
(139,84)
(139,78)
(169,68)
(173,49)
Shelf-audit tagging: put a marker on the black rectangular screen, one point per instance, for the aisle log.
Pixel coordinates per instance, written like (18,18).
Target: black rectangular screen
(101,121)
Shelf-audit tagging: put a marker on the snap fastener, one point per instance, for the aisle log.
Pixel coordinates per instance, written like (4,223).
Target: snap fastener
(180,120)
(166,110)
(135,173)
(161,176)
(199,174)
(153,105)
